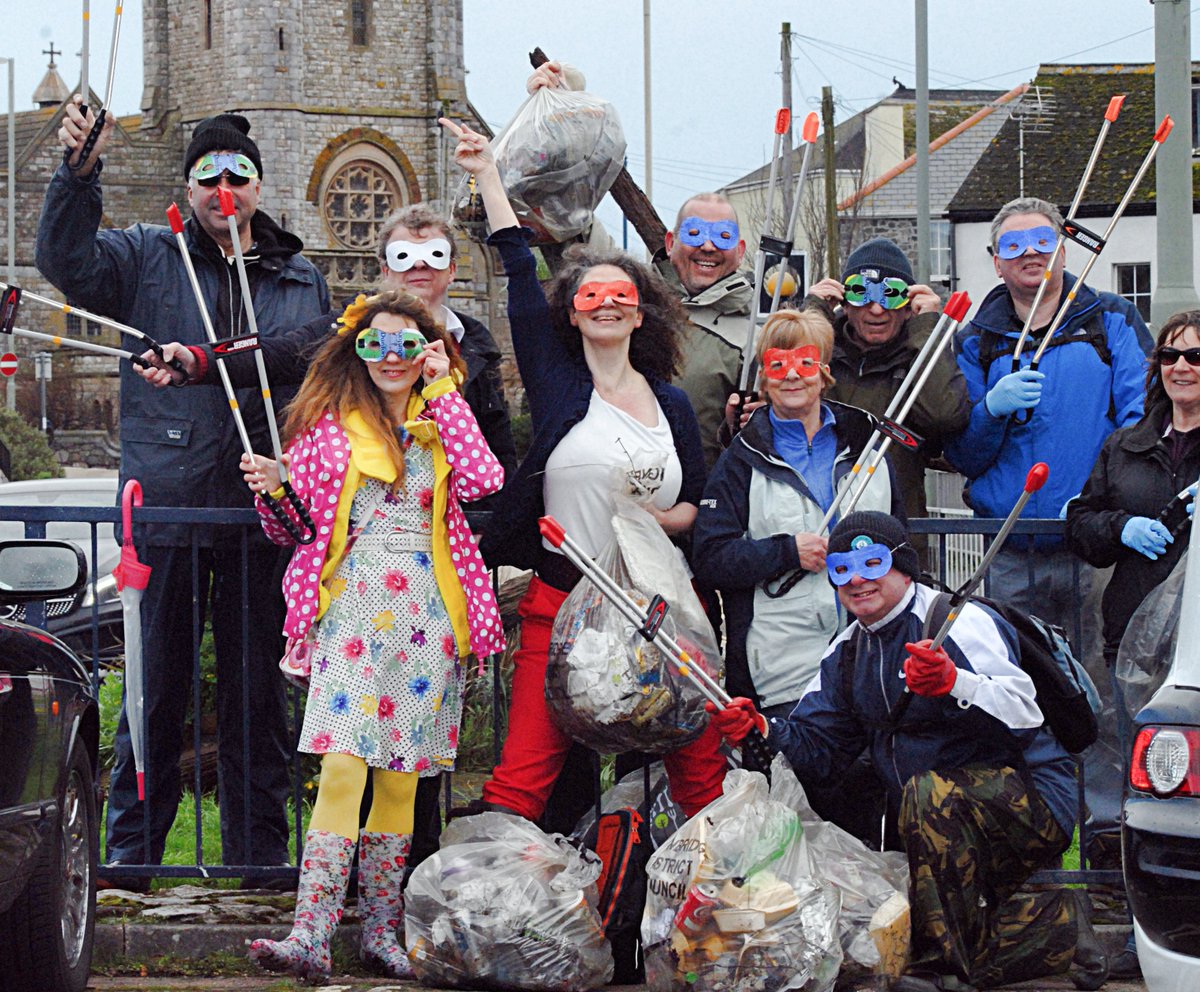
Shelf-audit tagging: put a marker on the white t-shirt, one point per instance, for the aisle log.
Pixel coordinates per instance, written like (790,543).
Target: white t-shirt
(607,451)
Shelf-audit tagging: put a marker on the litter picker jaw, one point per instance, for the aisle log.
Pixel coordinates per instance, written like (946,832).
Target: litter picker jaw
(102,115)
(649,622)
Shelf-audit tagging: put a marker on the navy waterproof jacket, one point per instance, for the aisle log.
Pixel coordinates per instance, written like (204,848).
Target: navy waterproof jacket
(180,444)
(990,717)
(558,386)
(1083,401)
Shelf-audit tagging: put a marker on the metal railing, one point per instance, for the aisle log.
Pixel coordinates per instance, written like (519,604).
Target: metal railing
(945,551)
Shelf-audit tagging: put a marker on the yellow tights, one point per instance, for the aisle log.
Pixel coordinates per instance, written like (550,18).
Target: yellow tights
(339,797)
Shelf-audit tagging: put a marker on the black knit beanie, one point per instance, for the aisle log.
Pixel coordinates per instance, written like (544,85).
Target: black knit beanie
(881,529)
(882,255)
(223,131)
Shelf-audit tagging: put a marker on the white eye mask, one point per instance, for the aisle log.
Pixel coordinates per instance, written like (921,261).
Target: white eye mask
(403,255)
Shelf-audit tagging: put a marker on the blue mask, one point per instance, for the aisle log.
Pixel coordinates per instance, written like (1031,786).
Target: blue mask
(722,233)
(866,558)
(1014,244)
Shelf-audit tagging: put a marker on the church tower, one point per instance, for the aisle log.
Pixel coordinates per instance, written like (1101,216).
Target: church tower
(343,98)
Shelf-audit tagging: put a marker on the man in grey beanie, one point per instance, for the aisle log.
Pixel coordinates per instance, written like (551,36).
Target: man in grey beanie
(881,317)
(183,447)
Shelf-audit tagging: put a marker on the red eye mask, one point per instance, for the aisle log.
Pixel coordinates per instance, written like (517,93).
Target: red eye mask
(805,361)
(591,295)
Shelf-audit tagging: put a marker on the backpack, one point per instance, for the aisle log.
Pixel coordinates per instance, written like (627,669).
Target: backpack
(993,346)
(1065,692)
(619,838)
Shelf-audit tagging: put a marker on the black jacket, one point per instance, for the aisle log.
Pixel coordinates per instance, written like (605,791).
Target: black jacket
(1132,477)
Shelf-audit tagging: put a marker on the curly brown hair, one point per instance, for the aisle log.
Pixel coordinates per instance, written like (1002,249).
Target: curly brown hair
(1172,328)
(655,346)
(338,379)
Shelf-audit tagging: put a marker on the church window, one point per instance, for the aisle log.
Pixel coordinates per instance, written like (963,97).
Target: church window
(360,13)
(360,194)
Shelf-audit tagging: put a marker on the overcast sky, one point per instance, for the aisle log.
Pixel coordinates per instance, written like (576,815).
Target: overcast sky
(715,78)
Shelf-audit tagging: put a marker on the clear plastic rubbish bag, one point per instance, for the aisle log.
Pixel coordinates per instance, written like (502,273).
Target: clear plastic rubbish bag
(503,905)
(606,686)
(733,902)
(558,156)
(875,923)
(1148,644)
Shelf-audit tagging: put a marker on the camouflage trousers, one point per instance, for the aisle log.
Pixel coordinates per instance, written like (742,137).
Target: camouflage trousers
(973,835)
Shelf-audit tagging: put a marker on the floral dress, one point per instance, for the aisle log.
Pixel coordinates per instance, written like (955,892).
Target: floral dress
(386,680)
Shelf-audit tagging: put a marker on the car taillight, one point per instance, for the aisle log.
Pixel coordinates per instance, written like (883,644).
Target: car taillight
(1166,760)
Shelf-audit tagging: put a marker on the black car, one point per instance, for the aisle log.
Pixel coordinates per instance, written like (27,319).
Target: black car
(1160,833)
(49,737)
(70,618)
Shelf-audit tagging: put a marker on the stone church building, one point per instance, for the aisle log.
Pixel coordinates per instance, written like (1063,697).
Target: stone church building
(343,98)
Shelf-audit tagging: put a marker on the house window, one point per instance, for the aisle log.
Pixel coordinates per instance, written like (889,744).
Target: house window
(360,11)
(1133,283)
(1195,117)
(939,250)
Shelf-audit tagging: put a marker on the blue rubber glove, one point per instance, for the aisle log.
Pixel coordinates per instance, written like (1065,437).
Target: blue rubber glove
(1146,537)
(1016,391)
(1191,507)
(1062,514)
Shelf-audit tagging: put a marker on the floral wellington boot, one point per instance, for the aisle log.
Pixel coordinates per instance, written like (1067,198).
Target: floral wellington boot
(381,861)
(324,875)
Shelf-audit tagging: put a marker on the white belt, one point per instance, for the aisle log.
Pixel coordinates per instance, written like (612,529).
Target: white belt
(395,541)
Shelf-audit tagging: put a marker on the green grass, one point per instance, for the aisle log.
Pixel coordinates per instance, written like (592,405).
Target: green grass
(181,840)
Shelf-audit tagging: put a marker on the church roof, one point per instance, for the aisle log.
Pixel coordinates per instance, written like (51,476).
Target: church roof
(51,91)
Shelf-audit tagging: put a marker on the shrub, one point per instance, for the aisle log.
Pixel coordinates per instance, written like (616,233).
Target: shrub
(29,449)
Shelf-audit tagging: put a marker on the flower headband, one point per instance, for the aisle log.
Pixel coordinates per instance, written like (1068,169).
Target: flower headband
(354,313)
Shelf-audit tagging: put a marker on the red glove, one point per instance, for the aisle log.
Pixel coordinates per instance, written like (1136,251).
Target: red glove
(928,673)
(737,719)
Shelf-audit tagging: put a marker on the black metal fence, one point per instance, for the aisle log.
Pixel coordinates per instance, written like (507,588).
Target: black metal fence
(88,619)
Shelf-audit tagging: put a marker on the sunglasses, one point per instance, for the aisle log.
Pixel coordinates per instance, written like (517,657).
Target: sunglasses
(1169,356)
(236,168)
(890,293)
(373,345)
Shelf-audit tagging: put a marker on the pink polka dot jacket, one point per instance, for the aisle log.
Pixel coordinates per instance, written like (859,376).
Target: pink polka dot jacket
(328,462)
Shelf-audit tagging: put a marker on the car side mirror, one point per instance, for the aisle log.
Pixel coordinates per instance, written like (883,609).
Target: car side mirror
(40,569)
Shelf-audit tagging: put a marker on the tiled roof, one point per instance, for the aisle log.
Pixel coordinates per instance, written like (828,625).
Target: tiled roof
(1055,159)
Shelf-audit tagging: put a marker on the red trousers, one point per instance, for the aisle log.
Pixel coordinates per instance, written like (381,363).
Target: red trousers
(535,749)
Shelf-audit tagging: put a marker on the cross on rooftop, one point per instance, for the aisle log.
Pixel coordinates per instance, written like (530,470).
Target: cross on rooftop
(51,52)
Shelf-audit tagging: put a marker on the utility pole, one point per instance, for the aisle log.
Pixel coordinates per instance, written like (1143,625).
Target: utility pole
(1174,285)
(646,103)
(922,32)
(10,388)
(832,266)
(785,57)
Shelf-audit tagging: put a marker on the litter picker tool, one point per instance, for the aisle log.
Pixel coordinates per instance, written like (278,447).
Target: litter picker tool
(11,297)
(94,135)
(97,349)
(890,425)
(83,56)
(783,121)
(1034,480)
(1110,115)
(132,578)
(229,210)
(176,222)
(782,247)
(1095,244)
(649,624)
